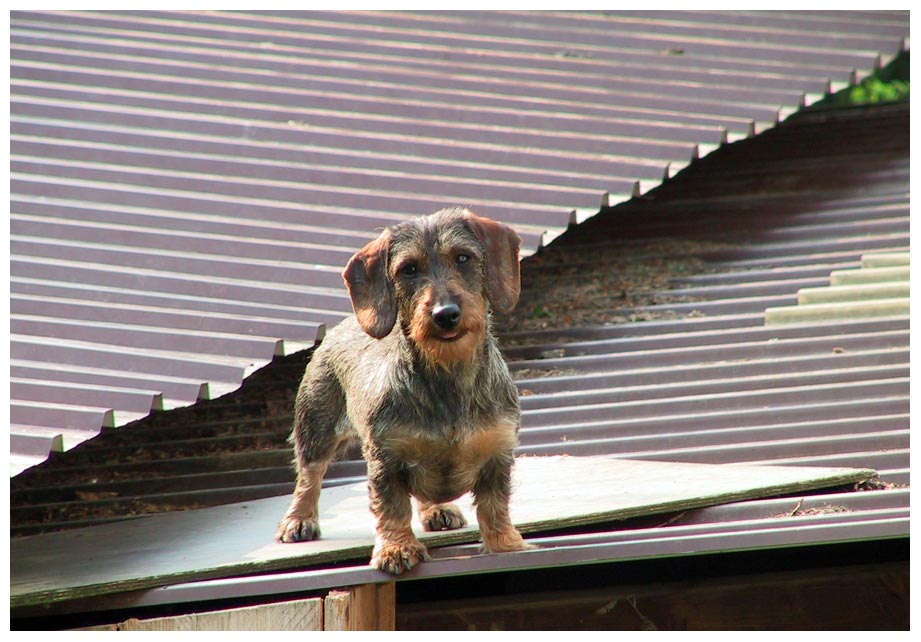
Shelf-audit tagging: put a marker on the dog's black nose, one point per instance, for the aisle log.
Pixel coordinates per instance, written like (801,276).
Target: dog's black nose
(447,316)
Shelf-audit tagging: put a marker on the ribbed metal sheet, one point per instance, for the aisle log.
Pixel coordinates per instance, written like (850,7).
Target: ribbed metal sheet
(698,377)
(713,383)
(185,186)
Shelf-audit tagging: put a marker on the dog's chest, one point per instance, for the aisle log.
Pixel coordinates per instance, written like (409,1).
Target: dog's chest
(441,469)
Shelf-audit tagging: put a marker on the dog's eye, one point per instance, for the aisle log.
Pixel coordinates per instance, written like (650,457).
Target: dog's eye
(462,258)
(410,269)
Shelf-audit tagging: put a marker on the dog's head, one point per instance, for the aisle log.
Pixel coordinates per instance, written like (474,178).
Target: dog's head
(439,275)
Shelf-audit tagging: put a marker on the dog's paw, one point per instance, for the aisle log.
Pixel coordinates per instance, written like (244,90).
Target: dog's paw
(443,517)
(295,529)
(398,558)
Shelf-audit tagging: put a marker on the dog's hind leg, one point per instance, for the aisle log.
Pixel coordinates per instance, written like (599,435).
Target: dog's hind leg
(441,517)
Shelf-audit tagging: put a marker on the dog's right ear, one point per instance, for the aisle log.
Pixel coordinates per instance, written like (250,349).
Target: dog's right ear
(370,287)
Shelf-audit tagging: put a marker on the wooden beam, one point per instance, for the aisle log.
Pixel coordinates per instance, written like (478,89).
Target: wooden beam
(336,611)
(370,607)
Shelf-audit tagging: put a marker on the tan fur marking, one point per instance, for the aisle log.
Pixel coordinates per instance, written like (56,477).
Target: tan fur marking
(429,457)
(307,491)
(300,520)
(499,534)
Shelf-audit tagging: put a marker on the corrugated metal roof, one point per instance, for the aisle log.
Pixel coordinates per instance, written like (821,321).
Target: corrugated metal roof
(178,223)
(185,186)
(641,334)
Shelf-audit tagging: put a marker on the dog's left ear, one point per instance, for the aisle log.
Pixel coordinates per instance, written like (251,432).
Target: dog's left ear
(370,288)
(503,272)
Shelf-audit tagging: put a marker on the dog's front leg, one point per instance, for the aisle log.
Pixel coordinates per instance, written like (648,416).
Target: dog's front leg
(491,496)
(300,523)
(396,548)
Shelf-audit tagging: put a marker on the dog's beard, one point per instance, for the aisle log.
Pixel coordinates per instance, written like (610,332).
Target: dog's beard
(445,348)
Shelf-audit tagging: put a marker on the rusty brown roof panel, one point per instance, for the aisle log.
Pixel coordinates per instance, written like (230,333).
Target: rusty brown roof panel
(529,152)
(164,391)
(516,32)
(537,33)
(119,358)
(186,288)
(32,61)
(282,147)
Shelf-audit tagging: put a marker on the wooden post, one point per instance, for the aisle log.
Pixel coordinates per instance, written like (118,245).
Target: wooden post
(369,607)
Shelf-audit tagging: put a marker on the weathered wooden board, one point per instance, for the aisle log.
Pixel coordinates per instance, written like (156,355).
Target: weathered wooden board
(550,493)
(296,615)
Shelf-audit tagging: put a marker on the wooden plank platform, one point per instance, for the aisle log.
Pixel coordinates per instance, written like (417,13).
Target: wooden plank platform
(236,539)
